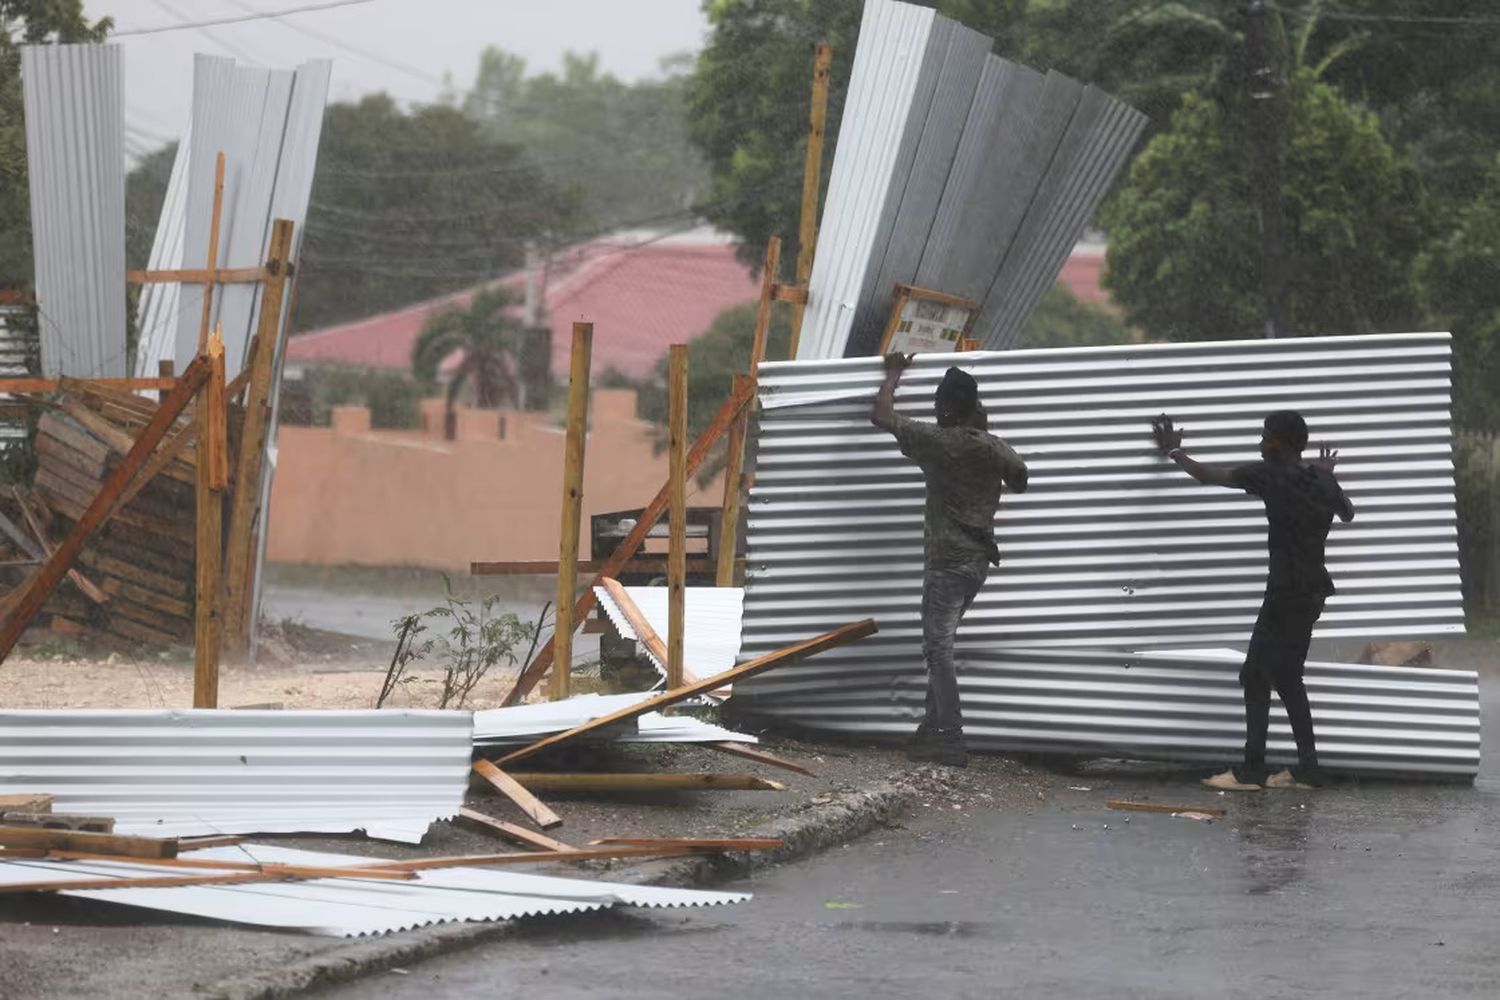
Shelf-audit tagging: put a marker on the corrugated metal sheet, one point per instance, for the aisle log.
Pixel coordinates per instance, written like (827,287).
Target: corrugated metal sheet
(521,724)
(1112,548)
(996,171)
(199,771)
(888,61)
(75,154)
(711,627)
(156,314)
(1174,706)
(357,907)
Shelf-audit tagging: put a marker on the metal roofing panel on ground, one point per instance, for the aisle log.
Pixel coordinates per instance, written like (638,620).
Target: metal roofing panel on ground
(75,153)
(355,907)
(711,629)
(1172,706)
(1112,546)
(202,771)
(521,724)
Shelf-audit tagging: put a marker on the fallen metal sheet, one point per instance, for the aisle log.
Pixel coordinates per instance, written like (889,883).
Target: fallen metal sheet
(357,907)
(193,772)
(711,629)
(1112,546)
(956,171)
(522,724)
(1165,705)
(75,155)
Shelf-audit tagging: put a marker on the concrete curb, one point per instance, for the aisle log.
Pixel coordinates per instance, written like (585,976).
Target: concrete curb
(842,818)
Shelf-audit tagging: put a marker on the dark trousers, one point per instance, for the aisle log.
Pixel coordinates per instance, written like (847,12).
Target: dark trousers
(946,595)
(1276,659)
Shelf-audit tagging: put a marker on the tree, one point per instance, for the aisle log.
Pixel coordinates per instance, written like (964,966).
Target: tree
(27,22)
(1064,320)
(1460,281)
(405,207)
(490,341)
(1184,255)
(622,148)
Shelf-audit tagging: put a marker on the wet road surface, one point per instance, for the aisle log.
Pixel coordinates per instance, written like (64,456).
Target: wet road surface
(1380,890)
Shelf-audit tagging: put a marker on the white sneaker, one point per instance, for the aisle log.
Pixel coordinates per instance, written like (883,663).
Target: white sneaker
(1229,783)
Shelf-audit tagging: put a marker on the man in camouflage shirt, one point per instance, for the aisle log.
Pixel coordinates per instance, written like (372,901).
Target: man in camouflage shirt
(965,468)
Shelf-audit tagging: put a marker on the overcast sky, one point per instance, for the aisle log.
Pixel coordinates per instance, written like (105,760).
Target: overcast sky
(402,47)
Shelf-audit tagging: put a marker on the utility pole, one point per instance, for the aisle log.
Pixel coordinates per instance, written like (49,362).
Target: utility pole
(1267,110)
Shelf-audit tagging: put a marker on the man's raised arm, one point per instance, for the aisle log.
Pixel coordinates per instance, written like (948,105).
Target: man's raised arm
(1169,441)
(883,413)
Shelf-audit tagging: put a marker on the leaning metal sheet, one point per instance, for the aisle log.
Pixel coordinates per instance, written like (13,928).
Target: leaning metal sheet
(75,152)
(1112,546)
(202,771)
(1173,706)
(355,907)
(156,316)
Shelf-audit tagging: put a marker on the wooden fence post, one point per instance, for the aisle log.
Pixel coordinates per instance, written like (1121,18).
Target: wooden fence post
(677,371)
(212,474)
(729,514)
(812,175)
(572,508)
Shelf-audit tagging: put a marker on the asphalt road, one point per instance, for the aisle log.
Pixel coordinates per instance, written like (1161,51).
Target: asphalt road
(1379,890)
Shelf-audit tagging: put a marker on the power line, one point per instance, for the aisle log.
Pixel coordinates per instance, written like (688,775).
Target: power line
(259,16)
(374,57)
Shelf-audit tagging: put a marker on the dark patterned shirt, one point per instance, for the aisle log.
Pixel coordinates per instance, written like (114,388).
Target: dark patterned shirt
(964,469)
(1301,501)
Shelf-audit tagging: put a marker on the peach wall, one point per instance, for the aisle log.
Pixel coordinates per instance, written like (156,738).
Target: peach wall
(345,494)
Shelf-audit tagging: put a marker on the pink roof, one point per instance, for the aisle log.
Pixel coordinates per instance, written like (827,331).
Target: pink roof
(640,296)
(1083,274)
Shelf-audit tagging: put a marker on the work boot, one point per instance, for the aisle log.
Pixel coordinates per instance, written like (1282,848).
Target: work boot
(1235,780)
(941,748)
(1303,778)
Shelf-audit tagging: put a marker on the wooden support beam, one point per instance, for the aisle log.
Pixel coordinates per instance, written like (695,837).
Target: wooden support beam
(510,831)
(795,294)
(42,385)
(540,857)
(754,753)
(94,843)
(788,654)
(255,378)
(729,517)
(517,793)
(769,267)
(213,252)
(572,508)
(677,375)
(606,781)
(52,571)
(548,567)
(702,843)
(269,867)
(1159,807)
(208,549)
(628,548)
(812,181)
(165,368)
(197,275)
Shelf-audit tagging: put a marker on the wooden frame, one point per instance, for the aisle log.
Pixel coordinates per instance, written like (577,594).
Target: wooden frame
(677,368)
(905,295)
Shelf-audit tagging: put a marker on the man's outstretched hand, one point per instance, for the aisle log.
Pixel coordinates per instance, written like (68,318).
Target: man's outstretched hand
(896,363)
(1327,457)
(1167,436)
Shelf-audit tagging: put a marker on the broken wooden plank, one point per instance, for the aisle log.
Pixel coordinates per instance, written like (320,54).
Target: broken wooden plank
(510,831)
(754,753)
(644,633)
(51,573)
(124,882)
(210,864)
(513,790)
(86,586)
(200,843)
(1159,807)
(540,857)
(31,802)
(605,781)
(705,844)
(789,654)
(94,843)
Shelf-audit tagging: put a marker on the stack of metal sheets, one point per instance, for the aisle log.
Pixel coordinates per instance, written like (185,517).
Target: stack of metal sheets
(958,171)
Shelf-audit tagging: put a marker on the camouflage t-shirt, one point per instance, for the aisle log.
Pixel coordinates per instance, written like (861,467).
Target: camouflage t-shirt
(965,469)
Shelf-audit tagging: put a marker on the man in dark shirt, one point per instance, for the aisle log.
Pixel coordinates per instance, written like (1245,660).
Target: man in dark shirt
(1301,500)
(964,467)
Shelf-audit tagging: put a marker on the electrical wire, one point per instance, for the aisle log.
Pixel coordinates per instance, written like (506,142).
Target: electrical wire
(259,16)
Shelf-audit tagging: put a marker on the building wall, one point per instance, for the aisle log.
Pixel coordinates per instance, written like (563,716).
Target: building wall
(345,494)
